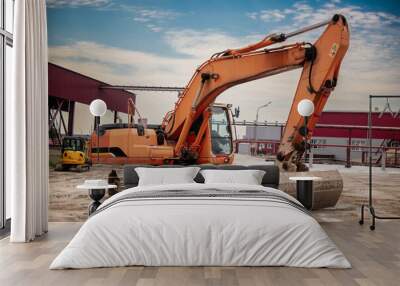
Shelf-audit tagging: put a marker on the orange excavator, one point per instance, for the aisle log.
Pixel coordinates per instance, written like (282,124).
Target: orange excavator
(198,131)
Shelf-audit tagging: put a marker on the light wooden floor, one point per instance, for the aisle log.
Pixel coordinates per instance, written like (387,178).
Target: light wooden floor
(375,257)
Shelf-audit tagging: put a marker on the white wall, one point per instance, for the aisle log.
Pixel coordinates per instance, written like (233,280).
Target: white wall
(263,132)
(84,120)
(244,148)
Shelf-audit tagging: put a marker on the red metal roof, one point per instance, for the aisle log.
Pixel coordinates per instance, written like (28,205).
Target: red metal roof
(358,118)
(70,85)
(354,124)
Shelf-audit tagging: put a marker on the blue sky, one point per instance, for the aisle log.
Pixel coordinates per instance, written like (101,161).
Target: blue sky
(138,24)
(162,42)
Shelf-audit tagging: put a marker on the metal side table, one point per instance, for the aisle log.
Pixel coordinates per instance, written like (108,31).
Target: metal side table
(304,189)
(96,190)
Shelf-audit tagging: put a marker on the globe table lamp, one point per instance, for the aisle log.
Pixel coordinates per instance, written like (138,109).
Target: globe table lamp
(98,108)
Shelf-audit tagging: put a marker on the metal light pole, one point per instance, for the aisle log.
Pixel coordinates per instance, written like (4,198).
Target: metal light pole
(97,118)
(305,139)
(258,110)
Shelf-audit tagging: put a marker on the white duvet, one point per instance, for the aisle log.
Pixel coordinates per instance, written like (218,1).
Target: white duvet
(200,231)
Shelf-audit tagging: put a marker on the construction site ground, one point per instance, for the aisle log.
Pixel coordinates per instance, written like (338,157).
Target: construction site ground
(67,203)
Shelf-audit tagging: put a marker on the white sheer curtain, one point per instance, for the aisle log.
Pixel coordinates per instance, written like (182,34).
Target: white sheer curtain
(27,124)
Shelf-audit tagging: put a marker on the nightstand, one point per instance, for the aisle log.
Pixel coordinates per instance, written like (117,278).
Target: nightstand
(97,190)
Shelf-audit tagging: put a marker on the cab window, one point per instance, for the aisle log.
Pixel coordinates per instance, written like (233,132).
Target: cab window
(221,134)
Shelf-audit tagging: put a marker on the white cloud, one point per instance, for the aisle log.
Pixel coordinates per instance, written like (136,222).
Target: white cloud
(302,7)
(154,14)
(144,14)
(271,15)
(372,63)
(252,15)
(301,13)
(203,44)
(76,3)
(154,28)
(146,67)
(356,15)
(121,66)
(267,15)
(153,18)
(141,19)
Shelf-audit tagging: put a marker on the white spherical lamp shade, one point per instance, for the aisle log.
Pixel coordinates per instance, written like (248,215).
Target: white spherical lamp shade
(98,107)
(305,107)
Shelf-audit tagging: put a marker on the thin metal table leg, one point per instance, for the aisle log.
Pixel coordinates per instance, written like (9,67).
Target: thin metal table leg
(361,221)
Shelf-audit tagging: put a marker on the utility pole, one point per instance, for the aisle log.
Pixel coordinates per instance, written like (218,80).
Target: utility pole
(255,126)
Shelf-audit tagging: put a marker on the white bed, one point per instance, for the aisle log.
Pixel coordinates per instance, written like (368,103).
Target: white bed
(185,230)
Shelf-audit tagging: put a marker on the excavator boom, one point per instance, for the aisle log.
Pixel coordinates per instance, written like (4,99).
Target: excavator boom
(320,62)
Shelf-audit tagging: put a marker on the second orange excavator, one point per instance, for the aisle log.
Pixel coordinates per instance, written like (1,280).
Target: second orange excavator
(198,131)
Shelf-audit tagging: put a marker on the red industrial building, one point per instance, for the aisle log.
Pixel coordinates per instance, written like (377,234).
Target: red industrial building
(66,88)
(339,135)
(345,124)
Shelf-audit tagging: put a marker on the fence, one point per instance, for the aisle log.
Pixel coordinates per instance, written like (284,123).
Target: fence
(381,155)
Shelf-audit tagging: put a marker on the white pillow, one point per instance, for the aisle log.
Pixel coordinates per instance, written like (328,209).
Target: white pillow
(248,177)
(166,176)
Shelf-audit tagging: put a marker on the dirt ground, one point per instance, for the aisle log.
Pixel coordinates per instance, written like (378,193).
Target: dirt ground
(67,203)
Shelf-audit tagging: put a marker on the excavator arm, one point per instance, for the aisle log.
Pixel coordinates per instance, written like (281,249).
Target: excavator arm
(318,78)
(320,62)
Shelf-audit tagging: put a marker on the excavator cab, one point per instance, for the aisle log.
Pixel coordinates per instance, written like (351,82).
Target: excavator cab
(221,130)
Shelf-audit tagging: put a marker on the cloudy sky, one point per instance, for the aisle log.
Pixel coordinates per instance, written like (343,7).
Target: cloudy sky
(162,42)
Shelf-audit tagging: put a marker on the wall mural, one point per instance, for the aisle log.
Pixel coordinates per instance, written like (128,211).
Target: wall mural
(98,47)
